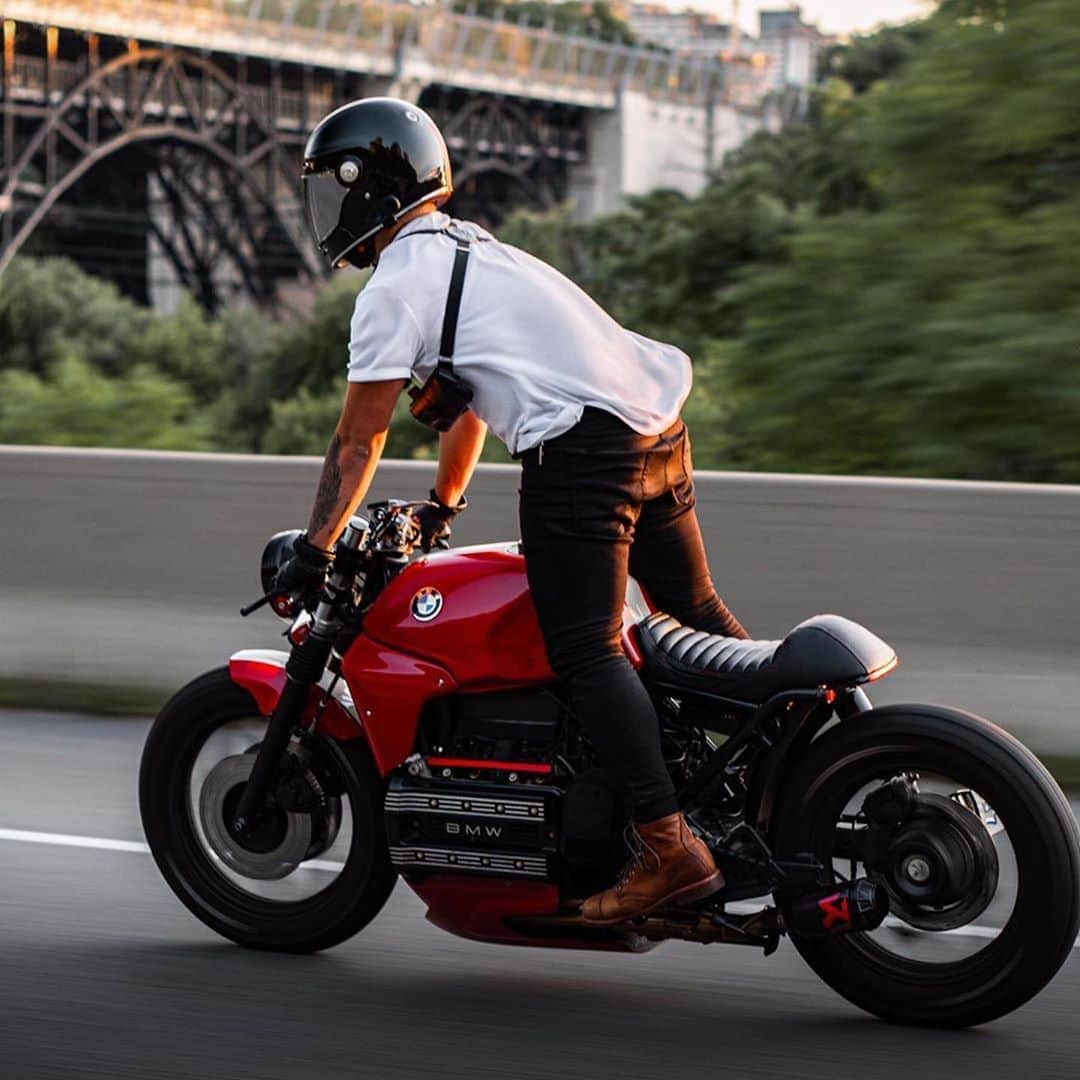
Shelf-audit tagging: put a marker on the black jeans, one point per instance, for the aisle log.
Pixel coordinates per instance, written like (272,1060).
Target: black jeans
(597,503)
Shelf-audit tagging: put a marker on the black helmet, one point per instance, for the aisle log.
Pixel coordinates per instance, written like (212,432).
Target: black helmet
(365,165)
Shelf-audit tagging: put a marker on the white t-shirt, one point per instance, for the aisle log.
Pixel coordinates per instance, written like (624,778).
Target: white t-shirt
(534,348)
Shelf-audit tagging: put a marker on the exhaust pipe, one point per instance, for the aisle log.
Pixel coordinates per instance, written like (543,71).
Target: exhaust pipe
(859,905)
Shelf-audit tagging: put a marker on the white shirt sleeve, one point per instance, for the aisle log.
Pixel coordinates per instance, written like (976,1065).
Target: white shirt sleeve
(385,341)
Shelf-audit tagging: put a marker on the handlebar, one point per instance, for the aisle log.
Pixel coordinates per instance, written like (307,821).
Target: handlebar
(371,551)
(391,533)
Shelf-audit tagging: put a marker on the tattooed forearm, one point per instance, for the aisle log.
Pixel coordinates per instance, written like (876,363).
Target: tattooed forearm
(326,498)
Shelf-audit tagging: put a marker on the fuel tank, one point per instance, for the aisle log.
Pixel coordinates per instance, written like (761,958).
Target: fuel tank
(468,611)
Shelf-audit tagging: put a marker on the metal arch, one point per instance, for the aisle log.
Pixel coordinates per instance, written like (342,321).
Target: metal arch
(136,127)
(188,200)
(500,118)
(537,190)
(54,194)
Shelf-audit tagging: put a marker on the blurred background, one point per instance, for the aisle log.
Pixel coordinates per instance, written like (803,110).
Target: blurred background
(859,218)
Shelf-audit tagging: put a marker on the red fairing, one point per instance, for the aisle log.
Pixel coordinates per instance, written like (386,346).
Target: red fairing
(485,634)
(390,688)
(478,909)
(263,679)
(484,910)
(262,674)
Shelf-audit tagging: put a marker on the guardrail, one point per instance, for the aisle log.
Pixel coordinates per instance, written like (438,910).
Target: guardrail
(130,567)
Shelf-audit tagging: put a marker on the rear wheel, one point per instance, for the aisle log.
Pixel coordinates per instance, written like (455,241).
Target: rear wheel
(304,879)
(983,876)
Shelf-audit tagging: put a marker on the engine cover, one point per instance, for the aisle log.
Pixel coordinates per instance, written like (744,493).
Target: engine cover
(471,827)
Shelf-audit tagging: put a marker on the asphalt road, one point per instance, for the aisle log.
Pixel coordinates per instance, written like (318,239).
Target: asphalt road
(130,567)
(106,975)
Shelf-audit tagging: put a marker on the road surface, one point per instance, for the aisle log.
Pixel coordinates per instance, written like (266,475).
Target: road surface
(106,975)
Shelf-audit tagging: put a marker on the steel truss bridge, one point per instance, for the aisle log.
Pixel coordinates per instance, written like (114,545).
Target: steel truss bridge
(175,127)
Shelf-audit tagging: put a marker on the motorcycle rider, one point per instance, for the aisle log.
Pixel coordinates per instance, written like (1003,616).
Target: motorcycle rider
(590,409)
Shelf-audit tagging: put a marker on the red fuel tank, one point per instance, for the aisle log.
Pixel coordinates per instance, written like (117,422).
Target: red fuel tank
(470,612)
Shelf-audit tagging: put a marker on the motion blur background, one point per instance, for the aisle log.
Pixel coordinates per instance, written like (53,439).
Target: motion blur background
(864,234)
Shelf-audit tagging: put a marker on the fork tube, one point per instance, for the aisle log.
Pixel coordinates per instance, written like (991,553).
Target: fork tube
(304,669)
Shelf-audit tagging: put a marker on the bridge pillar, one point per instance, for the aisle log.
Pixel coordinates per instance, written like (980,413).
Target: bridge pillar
(644,143)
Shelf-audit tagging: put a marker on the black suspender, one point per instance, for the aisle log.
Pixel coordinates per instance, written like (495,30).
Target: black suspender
(453,307)
(453,296)
(444,397)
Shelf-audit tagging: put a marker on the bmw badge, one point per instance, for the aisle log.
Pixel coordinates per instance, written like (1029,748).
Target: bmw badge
(426,604)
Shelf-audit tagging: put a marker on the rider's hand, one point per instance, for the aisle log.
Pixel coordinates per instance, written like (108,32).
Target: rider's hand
(305,573)
(434,520)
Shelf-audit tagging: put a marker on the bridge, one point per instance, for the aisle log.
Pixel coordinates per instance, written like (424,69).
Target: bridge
(159,140)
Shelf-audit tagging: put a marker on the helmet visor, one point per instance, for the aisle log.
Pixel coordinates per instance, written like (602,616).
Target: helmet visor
(323,199)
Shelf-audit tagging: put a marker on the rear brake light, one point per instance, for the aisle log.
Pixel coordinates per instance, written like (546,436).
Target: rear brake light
(885,669)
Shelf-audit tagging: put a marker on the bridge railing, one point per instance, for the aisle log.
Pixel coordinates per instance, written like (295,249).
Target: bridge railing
(390,36)
(30,79)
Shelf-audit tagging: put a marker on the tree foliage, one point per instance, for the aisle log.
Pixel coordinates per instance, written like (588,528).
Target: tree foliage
(75,405)
(885,285)
(939,334)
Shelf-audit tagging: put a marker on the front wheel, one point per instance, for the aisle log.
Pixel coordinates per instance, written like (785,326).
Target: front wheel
(306,878)
(975,844)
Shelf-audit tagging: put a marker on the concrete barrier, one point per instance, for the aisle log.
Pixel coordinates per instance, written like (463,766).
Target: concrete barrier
(129,567)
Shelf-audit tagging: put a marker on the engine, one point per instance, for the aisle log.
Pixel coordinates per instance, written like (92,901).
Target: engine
(473,827)
(504,789)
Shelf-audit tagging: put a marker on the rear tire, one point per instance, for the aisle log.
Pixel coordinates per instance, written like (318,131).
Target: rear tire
(1041,931)
(337,912)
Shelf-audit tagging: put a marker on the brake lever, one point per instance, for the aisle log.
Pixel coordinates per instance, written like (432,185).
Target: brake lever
(251,608)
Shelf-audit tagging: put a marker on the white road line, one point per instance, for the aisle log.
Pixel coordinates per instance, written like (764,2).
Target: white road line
(22,836)
(102,843)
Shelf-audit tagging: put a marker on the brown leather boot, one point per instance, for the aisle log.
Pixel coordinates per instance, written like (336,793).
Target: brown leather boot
(669,864)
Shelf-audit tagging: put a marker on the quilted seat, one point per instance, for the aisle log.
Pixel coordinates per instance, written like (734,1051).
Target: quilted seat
(827,650)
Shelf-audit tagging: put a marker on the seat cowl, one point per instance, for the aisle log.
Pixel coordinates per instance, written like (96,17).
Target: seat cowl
(827,650)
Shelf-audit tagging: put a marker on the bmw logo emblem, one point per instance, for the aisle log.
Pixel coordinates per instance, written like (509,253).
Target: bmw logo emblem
(426,604)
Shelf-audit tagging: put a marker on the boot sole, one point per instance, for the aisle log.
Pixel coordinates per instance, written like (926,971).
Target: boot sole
(699,890)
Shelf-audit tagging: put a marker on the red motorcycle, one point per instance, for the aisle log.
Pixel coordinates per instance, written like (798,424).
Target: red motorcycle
(922,861)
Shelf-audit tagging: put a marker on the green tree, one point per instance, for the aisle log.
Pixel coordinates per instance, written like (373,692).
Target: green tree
(304,423)
(49,307)
(865,59)
(75,405)
(186,346)
(939,335)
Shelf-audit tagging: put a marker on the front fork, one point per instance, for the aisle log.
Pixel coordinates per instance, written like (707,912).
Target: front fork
(307,662)
(305,667)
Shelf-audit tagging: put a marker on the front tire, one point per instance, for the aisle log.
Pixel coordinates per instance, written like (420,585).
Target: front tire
(1040,930)
(219,899)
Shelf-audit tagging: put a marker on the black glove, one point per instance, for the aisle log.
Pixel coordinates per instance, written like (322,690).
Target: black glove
(305,573)
(434,520)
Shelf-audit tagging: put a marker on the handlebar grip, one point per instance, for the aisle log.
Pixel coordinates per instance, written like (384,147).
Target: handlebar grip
(261,602)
